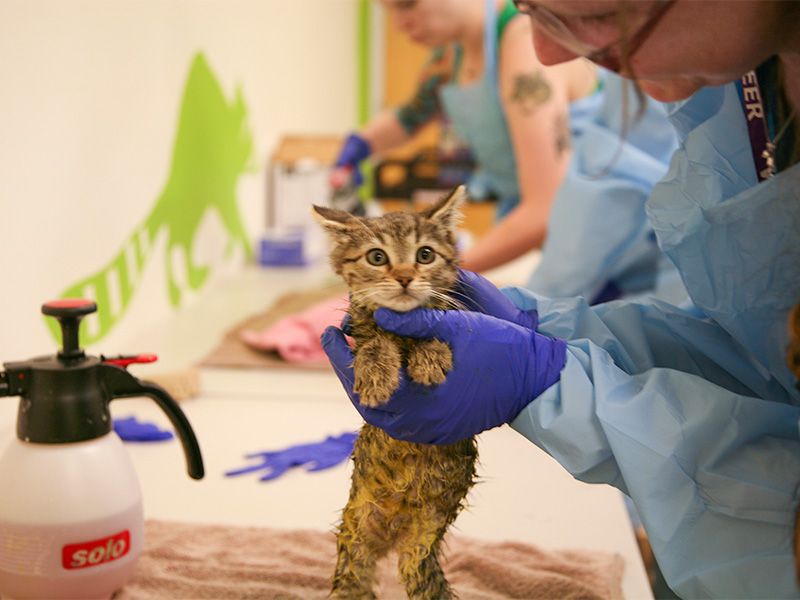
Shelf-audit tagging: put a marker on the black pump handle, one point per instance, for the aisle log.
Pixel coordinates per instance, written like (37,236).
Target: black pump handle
(69,312)
(121,384)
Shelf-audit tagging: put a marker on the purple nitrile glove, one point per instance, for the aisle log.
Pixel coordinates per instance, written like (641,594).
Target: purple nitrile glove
(478,294)
(129,429)
(354,150)
(316,456)
(499,367)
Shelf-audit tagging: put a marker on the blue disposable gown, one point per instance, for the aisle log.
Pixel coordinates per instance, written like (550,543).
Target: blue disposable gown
(693,412)
(598,232)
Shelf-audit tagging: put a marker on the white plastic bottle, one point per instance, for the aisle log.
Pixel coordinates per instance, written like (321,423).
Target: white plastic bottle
(71,522)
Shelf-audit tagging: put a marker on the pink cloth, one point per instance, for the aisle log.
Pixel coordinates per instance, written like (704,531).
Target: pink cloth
(296,337)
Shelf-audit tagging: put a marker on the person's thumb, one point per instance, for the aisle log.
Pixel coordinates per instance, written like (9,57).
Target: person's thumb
(339,353)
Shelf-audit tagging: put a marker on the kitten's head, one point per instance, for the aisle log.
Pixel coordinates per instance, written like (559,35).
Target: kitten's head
(400,260)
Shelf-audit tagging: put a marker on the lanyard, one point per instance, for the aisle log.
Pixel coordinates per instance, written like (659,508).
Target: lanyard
(757,126)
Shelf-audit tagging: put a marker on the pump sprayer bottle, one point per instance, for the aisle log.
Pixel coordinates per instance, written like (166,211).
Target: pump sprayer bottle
(71,519)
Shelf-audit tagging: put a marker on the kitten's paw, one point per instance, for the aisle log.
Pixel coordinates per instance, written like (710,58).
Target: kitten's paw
(375,389)
(429,362)
(375,381)
(377,374)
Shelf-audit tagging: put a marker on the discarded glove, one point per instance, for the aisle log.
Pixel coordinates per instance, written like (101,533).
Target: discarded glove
(129,429)
(315,456)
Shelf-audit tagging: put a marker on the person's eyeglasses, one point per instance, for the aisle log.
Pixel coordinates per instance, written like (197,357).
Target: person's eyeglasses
(605,55)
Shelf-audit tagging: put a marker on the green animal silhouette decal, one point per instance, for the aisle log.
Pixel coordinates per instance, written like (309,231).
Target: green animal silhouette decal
(212,150)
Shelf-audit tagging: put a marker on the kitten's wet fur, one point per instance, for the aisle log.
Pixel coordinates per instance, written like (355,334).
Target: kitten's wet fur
(403,495)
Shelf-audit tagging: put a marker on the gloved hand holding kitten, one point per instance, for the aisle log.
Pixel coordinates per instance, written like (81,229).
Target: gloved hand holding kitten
(500,365)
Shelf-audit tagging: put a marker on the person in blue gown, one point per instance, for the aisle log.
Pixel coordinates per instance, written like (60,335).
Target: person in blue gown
(691,410)
(599,243)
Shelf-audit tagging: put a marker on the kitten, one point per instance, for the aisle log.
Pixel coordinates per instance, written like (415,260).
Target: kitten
(403,495)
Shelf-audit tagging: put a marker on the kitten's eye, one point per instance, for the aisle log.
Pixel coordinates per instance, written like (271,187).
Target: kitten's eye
(425,255)
(377,257)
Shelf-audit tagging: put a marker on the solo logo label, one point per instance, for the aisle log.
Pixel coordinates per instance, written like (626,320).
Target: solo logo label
(96,552)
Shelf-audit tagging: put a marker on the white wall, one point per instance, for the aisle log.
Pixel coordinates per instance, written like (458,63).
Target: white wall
(90,93)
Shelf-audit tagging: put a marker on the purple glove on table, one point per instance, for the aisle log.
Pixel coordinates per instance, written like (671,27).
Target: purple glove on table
(354,150)
(499,367)
(130,429)
(316,456)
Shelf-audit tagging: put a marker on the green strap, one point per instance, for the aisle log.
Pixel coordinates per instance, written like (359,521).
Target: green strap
(508,12)
(363,51)
(362,61)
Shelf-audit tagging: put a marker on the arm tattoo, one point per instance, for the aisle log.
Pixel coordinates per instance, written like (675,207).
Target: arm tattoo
(563,136)
(425,106)
(530,91)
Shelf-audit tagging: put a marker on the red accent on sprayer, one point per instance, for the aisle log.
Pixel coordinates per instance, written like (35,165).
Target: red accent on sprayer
(68,303)
(124,361)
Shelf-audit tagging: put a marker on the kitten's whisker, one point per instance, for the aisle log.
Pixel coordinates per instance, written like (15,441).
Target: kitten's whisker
(470,300)
(363,295)
(450,302)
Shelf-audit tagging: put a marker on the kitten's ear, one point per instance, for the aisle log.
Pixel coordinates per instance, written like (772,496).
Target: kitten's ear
(447,211)
(334,220)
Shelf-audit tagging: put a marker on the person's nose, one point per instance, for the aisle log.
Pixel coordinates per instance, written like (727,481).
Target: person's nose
(548,50)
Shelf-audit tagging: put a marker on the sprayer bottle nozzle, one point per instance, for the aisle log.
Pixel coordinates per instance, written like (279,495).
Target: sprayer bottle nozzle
(4,388)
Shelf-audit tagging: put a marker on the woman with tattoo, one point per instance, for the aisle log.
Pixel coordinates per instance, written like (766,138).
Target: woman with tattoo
(516,116)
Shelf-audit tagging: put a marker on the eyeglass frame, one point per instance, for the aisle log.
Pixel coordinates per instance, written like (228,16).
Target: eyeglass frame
(606,55)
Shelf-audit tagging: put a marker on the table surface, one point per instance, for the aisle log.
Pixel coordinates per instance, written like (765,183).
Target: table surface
(523,494)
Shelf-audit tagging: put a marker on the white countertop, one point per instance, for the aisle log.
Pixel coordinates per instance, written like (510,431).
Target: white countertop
(523,495)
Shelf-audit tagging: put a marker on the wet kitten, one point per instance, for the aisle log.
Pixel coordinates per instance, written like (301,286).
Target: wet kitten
(403,495)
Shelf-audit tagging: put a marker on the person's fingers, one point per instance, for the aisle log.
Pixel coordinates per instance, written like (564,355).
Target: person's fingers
(243,471)
(478,294)
(420,322)
(468,291)
(346,325)
(530,320)
(275,472)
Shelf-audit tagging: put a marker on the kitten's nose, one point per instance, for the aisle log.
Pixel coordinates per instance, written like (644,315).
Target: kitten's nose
(404,276)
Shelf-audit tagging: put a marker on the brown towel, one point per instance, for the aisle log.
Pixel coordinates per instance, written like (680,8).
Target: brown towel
(233,352)
(184,561)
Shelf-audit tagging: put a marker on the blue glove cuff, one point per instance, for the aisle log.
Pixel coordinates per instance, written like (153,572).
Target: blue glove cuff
(355,149)
(550,358)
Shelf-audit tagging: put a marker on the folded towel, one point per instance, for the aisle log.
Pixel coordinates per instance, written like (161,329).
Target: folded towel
(193,561)
(296,337)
